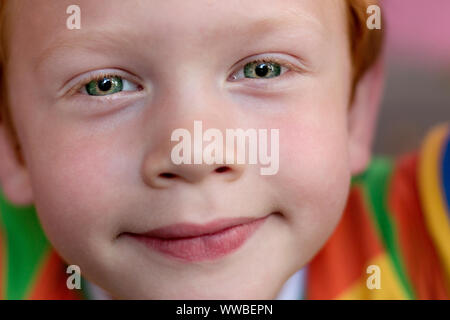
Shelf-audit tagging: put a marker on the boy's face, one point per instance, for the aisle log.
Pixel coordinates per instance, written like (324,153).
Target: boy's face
(95,162)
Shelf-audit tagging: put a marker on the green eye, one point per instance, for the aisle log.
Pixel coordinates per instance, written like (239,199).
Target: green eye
(262,70)
(104,86)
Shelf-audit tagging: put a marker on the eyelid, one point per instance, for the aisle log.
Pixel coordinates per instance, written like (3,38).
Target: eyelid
(76,83)
(292,66)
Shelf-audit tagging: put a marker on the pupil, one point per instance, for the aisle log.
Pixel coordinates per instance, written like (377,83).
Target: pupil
(262,70)
(104,84)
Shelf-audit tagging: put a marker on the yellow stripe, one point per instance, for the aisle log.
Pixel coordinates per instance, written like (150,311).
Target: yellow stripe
(390,286)
(432,196)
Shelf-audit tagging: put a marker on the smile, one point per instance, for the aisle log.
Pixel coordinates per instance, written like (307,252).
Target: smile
(193,242)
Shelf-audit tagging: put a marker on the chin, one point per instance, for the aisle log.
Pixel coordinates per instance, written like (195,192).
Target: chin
(205,291)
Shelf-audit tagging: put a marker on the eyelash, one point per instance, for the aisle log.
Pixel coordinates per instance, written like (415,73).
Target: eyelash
(96,77)
(282,63)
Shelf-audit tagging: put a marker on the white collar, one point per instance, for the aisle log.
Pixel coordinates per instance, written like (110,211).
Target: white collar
(294,288)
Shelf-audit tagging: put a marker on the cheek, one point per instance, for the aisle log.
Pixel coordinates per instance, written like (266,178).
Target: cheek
(78,184)
(314,175)
(314,165)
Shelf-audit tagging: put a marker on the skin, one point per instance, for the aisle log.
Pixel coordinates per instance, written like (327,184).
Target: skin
(93,163)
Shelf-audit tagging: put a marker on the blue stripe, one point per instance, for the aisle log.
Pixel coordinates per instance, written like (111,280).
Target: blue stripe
(446,172)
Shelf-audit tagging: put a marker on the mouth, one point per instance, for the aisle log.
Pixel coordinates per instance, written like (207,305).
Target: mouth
(194,242)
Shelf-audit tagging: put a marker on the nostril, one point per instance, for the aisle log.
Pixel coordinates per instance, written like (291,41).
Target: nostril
(167,175)
(222,169)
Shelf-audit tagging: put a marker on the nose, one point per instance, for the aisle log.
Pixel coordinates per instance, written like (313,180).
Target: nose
(163,174)
(194,106)
(160,171)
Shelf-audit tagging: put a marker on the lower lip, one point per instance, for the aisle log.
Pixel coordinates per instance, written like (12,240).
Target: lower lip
(205,247)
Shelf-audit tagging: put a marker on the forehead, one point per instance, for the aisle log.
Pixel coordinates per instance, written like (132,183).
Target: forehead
(34,25)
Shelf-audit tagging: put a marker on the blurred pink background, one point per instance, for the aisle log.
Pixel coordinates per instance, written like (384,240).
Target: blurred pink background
(419,29)
(417,91)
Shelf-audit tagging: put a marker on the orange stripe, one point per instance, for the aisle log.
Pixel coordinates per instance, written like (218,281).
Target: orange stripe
(420,256)
(51,281)
(344,258)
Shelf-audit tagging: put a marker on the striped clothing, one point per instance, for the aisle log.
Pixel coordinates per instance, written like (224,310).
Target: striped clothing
(396,218)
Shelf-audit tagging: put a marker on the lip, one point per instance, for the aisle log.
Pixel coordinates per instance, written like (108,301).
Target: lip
(194,242)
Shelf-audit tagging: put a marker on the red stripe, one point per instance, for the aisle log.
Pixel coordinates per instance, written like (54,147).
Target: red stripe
(51,281)
(422,262)
(344,258)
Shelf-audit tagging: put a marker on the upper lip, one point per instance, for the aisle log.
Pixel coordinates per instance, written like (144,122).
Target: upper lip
(188,230)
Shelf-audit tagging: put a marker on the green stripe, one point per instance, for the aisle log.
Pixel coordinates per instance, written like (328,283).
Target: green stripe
(375,182)
(84,293)
(26,246)
(2,265)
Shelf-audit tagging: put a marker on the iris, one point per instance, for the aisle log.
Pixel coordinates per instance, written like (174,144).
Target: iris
(262,70)
(104,86)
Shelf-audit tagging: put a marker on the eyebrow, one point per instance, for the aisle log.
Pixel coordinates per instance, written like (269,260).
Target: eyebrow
(108,38)
(90,40)
(289,18)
